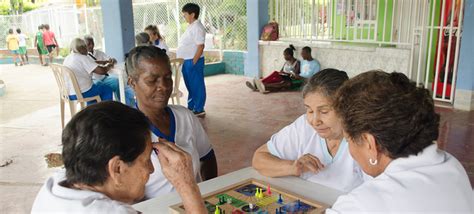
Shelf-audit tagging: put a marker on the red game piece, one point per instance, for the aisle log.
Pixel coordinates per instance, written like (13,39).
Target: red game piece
(269,192)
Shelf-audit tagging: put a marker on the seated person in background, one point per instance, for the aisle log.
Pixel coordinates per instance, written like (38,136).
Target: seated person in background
(149,74)
(155,37)
(108,174)
(142,39)
(313,147)
(110,80)
(83,67)
(391,127)
(309,66)
(288,76)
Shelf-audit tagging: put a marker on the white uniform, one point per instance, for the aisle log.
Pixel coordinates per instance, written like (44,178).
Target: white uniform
(82,66)
(189,136)
(99,56)
(194,35)
(299,138)
(54,198)
(162,45)
(431,182)
(22,40)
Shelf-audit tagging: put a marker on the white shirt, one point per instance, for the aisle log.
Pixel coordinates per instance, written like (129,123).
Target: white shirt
(194,35)
(189,136)
(431,182)
(99,56)
(54,198)
(22,40)
(299,138)
(82,66)
(162,45)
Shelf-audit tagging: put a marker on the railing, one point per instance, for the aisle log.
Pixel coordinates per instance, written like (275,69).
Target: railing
(429,28)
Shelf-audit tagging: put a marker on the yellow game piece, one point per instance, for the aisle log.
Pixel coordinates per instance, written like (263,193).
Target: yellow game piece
(256,192)
(217,210)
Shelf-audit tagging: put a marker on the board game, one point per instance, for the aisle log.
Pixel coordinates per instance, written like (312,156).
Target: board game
(255,196)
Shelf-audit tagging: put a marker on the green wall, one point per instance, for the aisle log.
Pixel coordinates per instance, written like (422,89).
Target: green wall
(349,34)
(434,42)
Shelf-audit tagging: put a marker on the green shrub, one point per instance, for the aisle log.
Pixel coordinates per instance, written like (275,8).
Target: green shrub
(4,8)
(64,52)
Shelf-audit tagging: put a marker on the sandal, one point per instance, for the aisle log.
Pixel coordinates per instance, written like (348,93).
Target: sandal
(251,86)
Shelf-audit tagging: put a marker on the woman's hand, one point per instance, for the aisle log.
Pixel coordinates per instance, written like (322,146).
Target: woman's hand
(177,167)
(307,163)
(176,164)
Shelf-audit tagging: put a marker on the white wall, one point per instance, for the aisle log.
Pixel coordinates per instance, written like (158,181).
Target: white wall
(350,58)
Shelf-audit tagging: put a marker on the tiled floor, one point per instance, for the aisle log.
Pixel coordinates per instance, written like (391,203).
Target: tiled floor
(238,121)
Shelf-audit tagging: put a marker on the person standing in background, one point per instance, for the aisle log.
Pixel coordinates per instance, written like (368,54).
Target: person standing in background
(22,49)
(39,45)
(13,46)
(50,42)
(191,49)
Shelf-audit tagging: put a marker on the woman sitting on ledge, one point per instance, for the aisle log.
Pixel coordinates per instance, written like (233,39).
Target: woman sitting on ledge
(288,77)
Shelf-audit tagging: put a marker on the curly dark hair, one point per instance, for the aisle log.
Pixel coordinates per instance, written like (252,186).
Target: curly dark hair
(389,106)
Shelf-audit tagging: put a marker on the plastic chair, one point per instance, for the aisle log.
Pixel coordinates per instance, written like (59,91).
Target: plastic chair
(61,74)
(176,65)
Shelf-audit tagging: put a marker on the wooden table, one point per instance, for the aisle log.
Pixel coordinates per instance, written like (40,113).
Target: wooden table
(294,184)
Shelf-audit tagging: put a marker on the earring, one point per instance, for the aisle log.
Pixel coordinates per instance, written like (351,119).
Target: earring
(373,162)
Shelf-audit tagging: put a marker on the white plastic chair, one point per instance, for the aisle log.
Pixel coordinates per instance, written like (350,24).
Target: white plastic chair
(176,65)
(61,73)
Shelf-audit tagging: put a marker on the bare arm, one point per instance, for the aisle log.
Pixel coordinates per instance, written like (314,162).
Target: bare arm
(269,165)
(101,70)
(176,165)
(198,54)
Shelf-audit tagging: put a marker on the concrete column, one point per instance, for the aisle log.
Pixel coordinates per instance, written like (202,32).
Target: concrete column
(117,16)
(464,94)
(257,17)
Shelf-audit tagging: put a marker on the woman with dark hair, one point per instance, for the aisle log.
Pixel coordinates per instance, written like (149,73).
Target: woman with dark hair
(106,154)
(288,76)
(391,126)
(149,74)
(313,147)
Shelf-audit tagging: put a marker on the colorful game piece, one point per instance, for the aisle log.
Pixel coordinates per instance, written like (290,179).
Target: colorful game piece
(254,197)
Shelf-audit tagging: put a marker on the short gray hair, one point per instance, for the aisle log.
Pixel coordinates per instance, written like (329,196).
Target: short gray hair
(76,44)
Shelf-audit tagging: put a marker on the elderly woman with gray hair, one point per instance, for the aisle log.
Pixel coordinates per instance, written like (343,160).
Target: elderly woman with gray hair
(83,67)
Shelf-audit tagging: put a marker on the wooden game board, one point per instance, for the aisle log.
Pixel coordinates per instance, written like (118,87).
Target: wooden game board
(243,193)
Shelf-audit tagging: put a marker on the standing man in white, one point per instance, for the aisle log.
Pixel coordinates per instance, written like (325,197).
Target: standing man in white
(191,49)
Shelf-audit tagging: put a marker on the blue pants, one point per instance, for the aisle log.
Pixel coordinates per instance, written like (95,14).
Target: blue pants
(193,76)
(112,82)
(102,90)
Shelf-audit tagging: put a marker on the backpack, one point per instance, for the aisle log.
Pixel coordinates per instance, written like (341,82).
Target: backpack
(270,32)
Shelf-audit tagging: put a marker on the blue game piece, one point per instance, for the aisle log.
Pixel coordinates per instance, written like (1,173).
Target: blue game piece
(276,211)
(280,200)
